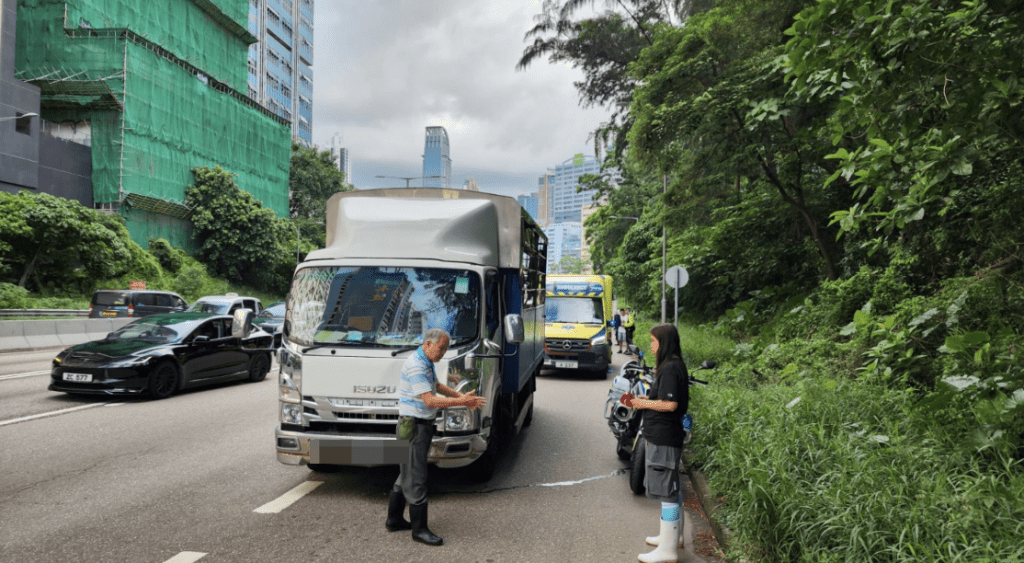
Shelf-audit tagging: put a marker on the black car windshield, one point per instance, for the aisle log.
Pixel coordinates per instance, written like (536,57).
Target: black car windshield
(152,333)
(574,310)
(382,306)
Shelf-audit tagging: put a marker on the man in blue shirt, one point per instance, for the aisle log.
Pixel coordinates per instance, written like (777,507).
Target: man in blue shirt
(418,400)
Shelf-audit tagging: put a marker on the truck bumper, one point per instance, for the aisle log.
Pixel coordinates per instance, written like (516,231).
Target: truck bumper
(303,448)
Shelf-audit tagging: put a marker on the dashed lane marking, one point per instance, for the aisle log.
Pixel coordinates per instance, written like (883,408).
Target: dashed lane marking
(26,374)
(284,501)
(186,557)
(51,413)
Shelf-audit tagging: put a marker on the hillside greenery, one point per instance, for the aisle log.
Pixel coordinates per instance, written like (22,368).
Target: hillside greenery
(55,252)
(843,180)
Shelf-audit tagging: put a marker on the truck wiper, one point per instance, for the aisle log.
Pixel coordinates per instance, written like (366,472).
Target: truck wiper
(406,349)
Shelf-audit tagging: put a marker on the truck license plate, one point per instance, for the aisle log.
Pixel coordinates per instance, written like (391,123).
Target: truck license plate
(566,364)
(84,377)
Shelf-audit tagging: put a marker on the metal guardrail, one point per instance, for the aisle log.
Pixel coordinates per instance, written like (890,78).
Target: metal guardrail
(74,313)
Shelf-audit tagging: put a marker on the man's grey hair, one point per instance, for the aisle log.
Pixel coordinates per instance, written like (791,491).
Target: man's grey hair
(435,335)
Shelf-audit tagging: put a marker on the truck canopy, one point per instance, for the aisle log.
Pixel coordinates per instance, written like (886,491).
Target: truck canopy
(424,223)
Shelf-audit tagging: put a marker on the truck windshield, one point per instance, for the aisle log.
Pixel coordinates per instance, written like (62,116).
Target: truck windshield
(382,306)
(574,310)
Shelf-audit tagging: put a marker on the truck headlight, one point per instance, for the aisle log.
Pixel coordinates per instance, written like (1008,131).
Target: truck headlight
(457,419)
(289,378)
(291,414)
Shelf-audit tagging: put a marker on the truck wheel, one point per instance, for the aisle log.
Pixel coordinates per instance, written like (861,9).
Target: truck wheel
(636,474)
(529,416)
(483,469)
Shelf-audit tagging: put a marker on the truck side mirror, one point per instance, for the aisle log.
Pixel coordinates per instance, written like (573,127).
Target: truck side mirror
(514,333)
(241,323)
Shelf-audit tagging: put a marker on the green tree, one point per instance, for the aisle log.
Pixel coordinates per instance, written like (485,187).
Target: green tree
(237,237)
(312,180)
(52,243)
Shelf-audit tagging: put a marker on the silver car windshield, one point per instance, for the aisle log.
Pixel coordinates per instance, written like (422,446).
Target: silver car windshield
(381,306)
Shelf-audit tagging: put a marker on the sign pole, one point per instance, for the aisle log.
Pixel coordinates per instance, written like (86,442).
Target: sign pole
(678,273)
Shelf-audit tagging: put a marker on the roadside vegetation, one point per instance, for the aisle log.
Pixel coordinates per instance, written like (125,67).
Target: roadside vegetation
(843,181)
(55,252)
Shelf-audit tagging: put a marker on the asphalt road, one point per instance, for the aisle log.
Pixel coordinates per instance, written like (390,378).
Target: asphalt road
(195,478)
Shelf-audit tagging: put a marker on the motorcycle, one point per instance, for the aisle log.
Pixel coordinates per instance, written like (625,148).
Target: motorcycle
(626,424)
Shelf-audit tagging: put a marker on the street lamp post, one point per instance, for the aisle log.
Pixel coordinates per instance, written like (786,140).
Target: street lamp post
(409,178)
(30,114)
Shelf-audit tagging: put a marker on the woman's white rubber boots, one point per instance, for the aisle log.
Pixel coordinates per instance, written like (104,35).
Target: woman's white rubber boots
(667,550)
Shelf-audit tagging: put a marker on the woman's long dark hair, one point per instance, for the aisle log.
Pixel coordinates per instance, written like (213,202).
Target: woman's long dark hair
(668,345)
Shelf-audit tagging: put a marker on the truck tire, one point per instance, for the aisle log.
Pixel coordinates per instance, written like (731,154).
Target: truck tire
(637,463)
(483,469)
(324,468)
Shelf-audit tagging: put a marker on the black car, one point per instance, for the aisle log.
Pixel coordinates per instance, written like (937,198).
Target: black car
(161,354)
(271,319)
(134,303)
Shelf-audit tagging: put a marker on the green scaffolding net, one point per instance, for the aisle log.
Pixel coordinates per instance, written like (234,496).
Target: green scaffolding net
(160,102)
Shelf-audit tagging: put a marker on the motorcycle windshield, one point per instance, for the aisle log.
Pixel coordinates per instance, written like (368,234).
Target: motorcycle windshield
(381,306)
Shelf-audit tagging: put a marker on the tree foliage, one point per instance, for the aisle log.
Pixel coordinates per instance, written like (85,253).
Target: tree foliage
(312,180)
(237,237)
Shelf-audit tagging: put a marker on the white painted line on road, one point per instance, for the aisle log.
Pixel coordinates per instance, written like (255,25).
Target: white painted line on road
(51,413)
(186,557)
(113,404)
(568,483)
(287,499)
(26,374)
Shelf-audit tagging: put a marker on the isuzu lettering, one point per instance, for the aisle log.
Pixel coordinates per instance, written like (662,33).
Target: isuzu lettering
(397,262)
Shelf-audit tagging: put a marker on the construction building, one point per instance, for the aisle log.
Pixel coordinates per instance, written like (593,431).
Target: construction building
(154,90)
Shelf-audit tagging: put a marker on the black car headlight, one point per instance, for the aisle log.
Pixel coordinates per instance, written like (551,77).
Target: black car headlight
(130,362)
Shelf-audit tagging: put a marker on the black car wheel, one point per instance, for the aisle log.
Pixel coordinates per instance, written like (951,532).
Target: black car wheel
(259,368)
(163,381)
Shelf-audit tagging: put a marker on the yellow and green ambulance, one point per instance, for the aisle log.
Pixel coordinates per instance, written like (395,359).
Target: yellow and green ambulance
(576,333)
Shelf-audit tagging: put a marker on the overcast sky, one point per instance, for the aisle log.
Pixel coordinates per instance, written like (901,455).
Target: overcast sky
(384,70)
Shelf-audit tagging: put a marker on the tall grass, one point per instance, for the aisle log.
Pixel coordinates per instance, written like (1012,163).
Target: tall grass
(843,470)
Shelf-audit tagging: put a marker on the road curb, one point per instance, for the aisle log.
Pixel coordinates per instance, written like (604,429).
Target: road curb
(707,501)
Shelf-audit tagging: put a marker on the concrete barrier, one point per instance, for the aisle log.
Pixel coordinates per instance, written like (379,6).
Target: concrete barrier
(41,334)
(29,335)
(12,336)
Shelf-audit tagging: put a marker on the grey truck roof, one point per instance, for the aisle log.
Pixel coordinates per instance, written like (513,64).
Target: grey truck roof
(426,223)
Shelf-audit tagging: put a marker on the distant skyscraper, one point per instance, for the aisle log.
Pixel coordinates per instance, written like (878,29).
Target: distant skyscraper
(436,159)
(544,197)
(566,203)
(281,63)
(340,157)
(529,203)
(471,185)
(563,240)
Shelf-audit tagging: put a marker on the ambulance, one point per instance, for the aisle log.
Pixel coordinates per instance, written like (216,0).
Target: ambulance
(578,314)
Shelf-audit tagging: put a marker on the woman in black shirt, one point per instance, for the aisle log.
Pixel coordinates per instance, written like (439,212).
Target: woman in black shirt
(664,407)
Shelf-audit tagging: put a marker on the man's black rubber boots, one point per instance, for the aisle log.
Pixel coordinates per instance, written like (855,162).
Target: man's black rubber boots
(420,532)
(396,506)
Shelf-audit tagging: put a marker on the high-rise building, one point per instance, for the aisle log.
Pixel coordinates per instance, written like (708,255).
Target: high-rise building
(529,203)
(563,240)
(544,197)
(471,185)
(566,203)
(437,162)
(281,62)
(143,92)
(340,157)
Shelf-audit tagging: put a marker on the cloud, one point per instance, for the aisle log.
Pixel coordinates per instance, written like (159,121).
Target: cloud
(386,70)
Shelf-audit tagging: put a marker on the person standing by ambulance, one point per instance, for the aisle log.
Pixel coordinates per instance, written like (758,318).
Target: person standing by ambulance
(629,323)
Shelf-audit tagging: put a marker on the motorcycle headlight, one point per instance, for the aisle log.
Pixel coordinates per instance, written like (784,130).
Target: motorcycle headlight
(457,419)
(291,414)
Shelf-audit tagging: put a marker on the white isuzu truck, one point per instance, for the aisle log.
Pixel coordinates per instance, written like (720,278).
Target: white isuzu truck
(397,262)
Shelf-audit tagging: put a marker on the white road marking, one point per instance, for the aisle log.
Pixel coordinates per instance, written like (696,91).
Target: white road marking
(577,482)
(51,413)
(186,557)
(26,374)
(113,404)
(287,499)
